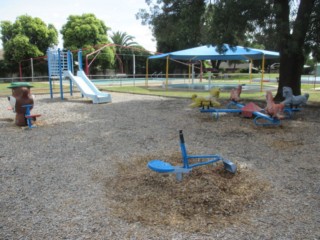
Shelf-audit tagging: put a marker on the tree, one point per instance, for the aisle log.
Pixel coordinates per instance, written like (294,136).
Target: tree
(89,33)
(313,35)
(26,38)
(176,24)
(292,43)
(124,48)
(233,20)
(123,39)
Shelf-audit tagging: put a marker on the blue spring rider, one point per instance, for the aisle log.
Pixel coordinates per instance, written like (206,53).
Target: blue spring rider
(30,117)
(165,167)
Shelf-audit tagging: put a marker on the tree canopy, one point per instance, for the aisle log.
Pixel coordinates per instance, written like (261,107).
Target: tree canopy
(84,30)
(27,37)
(176,24)
(87,32)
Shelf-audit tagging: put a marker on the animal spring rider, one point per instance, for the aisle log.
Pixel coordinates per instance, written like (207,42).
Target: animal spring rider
(165,167)
(22,103)
(235,93)
(208,102)
(293,103)
(275,110)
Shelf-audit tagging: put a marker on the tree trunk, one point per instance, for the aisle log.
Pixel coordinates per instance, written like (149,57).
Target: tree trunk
(216,64)
(291,67)
(291,44)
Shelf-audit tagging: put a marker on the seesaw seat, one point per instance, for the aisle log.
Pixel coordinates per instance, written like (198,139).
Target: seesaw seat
(160,166)
(33,116)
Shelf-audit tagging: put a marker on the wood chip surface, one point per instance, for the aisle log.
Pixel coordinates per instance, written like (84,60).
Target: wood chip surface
(82,173)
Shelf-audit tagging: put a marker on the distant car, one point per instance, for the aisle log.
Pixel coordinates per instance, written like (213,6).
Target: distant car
(275,66)
(246,70)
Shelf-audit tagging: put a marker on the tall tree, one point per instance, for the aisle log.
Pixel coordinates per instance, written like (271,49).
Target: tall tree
(292,43)
(176,24)
(233,20)
(27,38)
(87,32)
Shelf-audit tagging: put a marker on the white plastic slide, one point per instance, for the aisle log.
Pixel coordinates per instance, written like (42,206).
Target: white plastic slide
(87,88)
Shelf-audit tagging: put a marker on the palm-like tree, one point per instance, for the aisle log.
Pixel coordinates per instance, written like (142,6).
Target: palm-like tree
(123,39)
(124,49)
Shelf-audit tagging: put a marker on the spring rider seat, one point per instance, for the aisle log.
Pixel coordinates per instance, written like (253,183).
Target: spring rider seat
(165,167)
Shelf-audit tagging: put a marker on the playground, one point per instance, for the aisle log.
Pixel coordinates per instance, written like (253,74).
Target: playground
(82,172)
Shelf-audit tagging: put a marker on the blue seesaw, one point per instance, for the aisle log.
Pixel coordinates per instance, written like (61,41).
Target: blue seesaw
(261,118)
(288,111)
(165,167)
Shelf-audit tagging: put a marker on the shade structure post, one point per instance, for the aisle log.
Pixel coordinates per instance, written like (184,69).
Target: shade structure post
(147,72)
(251,64)
(167,72)
(201,71)
(189,73)
(192,69)
(262,75)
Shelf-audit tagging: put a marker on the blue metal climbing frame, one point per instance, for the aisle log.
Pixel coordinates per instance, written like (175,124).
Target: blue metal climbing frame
(58,62)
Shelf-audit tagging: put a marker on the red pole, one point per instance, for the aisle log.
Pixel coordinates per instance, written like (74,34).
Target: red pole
(20,71)
(87,66)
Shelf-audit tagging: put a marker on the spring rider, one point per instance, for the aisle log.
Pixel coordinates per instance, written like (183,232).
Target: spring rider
(21,103)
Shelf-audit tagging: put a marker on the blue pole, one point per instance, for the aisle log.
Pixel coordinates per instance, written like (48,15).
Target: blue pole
(80,60)
(50,72)
(183,150)
(69,61)
(70,68)
(60,73)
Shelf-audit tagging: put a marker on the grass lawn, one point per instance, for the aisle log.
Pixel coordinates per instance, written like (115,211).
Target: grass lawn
(257,95)
(43,88)
(38,88)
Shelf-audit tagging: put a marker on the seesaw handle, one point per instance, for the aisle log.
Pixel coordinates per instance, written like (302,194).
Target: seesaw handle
(181,136)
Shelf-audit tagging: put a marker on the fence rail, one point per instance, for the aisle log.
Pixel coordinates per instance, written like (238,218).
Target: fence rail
(130,79)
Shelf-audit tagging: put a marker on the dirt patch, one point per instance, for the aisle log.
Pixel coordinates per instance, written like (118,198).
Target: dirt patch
(208,197)
(6,119)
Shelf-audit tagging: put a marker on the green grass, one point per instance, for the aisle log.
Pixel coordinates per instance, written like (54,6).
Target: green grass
(257,95)
(38,87)
(181,94)
(43,88)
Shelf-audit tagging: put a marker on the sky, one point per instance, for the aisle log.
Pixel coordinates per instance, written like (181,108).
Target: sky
(119,15)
